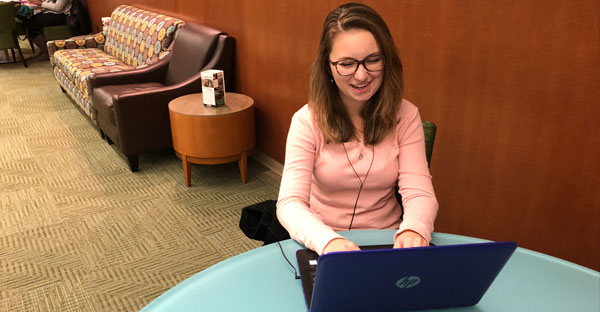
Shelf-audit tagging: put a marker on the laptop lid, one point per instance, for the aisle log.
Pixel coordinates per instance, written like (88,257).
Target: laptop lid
(405,279)
(307,264)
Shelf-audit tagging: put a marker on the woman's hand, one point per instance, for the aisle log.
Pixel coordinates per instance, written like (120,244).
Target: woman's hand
(340,244)
(408,239)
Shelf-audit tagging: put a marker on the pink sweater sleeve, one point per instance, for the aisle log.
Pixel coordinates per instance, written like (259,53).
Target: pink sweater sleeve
(293,204)
(414,181)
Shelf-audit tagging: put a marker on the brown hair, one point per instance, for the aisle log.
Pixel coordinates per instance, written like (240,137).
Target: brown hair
(379,113)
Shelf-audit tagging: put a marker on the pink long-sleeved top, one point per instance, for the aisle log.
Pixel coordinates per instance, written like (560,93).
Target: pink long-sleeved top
(319,187)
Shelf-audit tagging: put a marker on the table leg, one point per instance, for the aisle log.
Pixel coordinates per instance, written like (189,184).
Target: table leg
(187,170)
(243,164)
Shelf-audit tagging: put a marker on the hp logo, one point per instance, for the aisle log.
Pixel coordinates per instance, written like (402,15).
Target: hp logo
(408,282)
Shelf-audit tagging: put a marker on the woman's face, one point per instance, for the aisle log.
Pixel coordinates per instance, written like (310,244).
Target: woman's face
(349,47)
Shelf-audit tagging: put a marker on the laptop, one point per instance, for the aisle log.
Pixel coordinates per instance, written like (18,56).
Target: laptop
(379,278)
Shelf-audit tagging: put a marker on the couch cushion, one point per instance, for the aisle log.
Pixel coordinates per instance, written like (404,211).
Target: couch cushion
(78,64)
(138,37)
(79,42)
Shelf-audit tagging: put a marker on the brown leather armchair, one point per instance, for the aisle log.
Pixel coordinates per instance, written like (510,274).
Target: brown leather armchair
(131,108)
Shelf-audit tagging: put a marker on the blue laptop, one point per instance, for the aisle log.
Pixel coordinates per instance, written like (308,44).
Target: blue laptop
(378,278)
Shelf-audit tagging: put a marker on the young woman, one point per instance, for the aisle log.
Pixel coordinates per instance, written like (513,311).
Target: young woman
(355,140)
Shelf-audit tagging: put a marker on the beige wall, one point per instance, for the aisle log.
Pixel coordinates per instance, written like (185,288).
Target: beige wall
(512,85)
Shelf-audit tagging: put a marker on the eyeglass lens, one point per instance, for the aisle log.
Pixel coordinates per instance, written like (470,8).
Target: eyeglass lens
(349,66)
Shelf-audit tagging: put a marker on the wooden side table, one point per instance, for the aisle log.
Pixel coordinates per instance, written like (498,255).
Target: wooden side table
(212,135)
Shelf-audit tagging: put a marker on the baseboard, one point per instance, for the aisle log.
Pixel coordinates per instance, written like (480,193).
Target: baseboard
(267,161)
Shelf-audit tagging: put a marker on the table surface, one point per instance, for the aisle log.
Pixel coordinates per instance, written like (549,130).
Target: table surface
(192,104)
(261,280)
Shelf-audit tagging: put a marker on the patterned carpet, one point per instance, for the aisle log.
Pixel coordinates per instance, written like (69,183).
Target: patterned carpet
(79,231)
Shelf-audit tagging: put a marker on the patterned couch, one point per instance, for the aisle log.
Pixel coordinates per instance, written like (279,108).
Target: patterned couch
(135,39)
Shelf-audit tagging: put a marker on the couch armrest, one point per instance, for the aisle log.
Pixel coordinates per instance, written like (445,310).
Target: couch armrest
(153,73)
(89,41)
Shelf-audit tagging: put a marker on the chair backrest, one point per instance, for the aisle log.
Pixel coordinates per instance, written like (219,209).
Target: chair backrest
(7,17)
(139,37)
(429,128)
(194,48)
(7,25)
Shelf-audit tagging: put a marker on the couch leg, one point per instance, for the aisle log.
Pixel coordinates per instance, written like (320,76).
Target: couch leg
(105,137)
(63,89)
(133,163)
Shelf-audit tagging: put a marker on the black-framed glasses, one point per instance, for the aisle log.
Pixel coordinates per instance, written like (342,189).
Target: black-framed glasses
(348,67)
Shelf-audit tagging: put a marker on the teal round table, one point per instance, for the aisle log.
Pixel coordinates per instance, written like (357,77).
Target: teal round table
(262,280)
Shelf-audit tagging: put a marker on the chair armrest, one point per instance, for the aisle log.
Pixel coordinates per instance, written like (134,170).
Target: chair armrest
(91,41)
(152,73)
(145,114)
(135,102)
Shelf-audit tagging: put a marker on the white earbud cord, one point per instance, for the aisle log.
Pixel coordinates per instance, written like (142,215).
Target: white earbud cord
(361,181)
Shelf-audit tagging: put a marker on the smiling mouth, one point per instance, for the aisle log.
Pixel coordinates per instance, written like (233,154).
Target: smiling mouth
(360,86)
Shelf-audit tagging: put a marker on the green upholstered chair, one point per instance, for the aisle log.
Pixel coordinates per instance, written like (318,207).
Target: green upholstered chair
(258,221)
(56,32)
(8,30)
(429,128)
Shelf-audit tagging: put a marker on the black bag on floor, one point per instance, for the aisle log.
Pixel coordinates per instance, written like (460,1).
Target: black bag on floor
(259,222)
